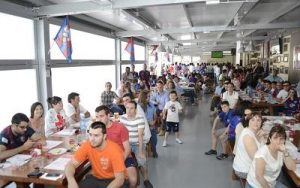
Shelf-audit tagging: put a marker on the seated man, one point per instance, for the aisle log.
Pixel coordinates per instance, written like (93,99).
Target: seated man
(105,156)
(222,131)
(118,133)
(17,137)
(108,97)
(74,109)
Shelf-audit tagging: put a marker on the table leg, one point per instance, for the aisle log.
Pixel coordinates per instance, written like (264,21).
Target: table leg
(271,110)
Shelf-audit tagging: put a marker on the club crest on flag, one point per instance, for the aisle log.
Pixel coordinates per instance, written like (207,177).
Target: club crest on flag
(130,49)
(63,40)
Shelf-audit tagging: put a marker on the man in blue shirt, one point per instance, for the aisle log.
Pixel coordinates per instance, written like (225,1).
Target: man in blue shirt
(222,121)
(160,98)
(17,137)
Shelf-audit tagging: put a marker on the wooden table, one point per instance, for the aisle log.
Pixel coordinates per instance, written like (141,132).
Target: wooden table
(19,174)
(265,105)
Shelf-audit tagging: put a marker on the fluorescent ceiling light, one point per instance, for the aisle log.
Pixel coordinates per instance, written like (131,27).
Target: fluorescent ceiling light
(211,2)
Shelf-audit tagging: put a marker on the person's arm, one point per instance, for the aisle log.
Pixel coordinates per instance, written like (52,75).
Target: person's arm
(5,153)
(127,149)
(164,114)
(287,159)
(76,115)
(36,137)
(118,181)
(140,140)
(250,146)
(260,165)
(70,172)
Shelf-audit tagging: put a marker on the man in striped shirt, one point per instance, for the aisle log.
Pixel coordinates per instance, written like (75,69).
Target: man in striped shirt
(136,125)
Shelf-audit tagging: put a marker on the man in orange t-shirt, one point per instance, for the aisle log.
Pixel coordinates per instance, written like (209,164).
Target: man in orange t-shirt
(106,158)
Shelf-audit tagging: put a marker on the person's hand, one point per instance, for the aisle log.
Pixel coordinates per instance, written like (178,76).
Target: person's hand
(28,144)
(282,148)
(72,184)
(164,117)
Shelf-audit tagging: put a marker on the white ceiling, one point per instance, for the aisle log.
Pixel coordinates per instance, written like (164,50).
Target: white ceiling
(149,19)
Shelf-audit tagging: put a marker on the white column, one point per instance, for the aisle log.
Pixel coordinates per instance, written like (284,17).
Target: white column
(237,54)
(43,72)
(118,62)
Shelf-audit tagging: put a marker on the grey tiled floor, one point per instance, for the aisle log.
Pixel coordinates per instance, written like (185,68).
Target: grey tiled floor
(186,166)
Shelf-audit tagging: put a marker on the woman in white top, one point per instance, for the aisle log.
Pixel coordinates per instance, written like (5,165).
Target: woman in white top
(247,146)
(268,161)
(240,127)
(56,118)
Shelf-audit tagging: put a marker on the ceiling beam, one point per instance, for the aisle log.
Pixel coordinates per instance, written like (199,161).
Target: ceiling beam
(241,12)
(175,42)
(188,19)
(15,9)
(72,8)
(276,15)
(285,25)
(83,7)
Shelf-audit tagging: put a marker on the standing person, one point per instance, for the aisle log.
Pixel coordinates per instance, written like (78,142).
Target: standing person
(17,137)
(127,75)
(136,125)
(106,159)
(145,74)
(268,160)
(134,74)
(118,133)
(160,98)
(171,114)
(56,119)
(150,111)
(37,120)
(74,109)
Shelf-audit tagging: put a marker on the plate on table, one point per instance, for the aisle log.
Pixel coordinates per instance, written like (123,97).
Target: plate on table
(58,151)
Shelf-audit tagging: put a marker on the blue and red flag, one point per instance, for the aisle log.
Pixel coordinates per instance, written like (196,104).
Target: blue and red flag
(63,39)
(130,49)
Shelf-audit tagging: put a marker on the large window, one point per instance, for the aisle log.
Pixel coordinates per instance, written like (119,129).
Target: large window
(18,92)
(139,52)
(88,81)
(84,45)
(16,43)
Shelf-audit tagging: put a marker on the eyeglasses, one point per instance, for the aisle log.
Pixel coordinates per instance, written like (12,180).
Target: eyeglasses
(247,114)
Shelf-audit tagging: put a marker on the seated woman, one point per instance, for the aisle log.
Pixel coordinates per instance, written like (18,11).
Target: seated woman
(268,161)
(240,127)
(247,145)
(37,121)
(291,103)
(56,119)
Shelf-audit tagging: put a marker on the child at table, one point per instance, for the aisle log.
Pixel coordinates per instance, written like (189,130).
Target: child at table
(170,113)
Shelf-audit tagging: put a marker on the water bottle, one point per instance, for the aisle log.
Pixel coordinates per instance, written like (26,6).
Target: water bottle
(269,98)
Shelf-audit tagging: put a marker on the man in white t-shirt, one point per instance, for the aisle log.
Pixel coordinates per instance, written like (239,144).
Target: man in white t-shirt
(283,94)
(231,96)
(74,109)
